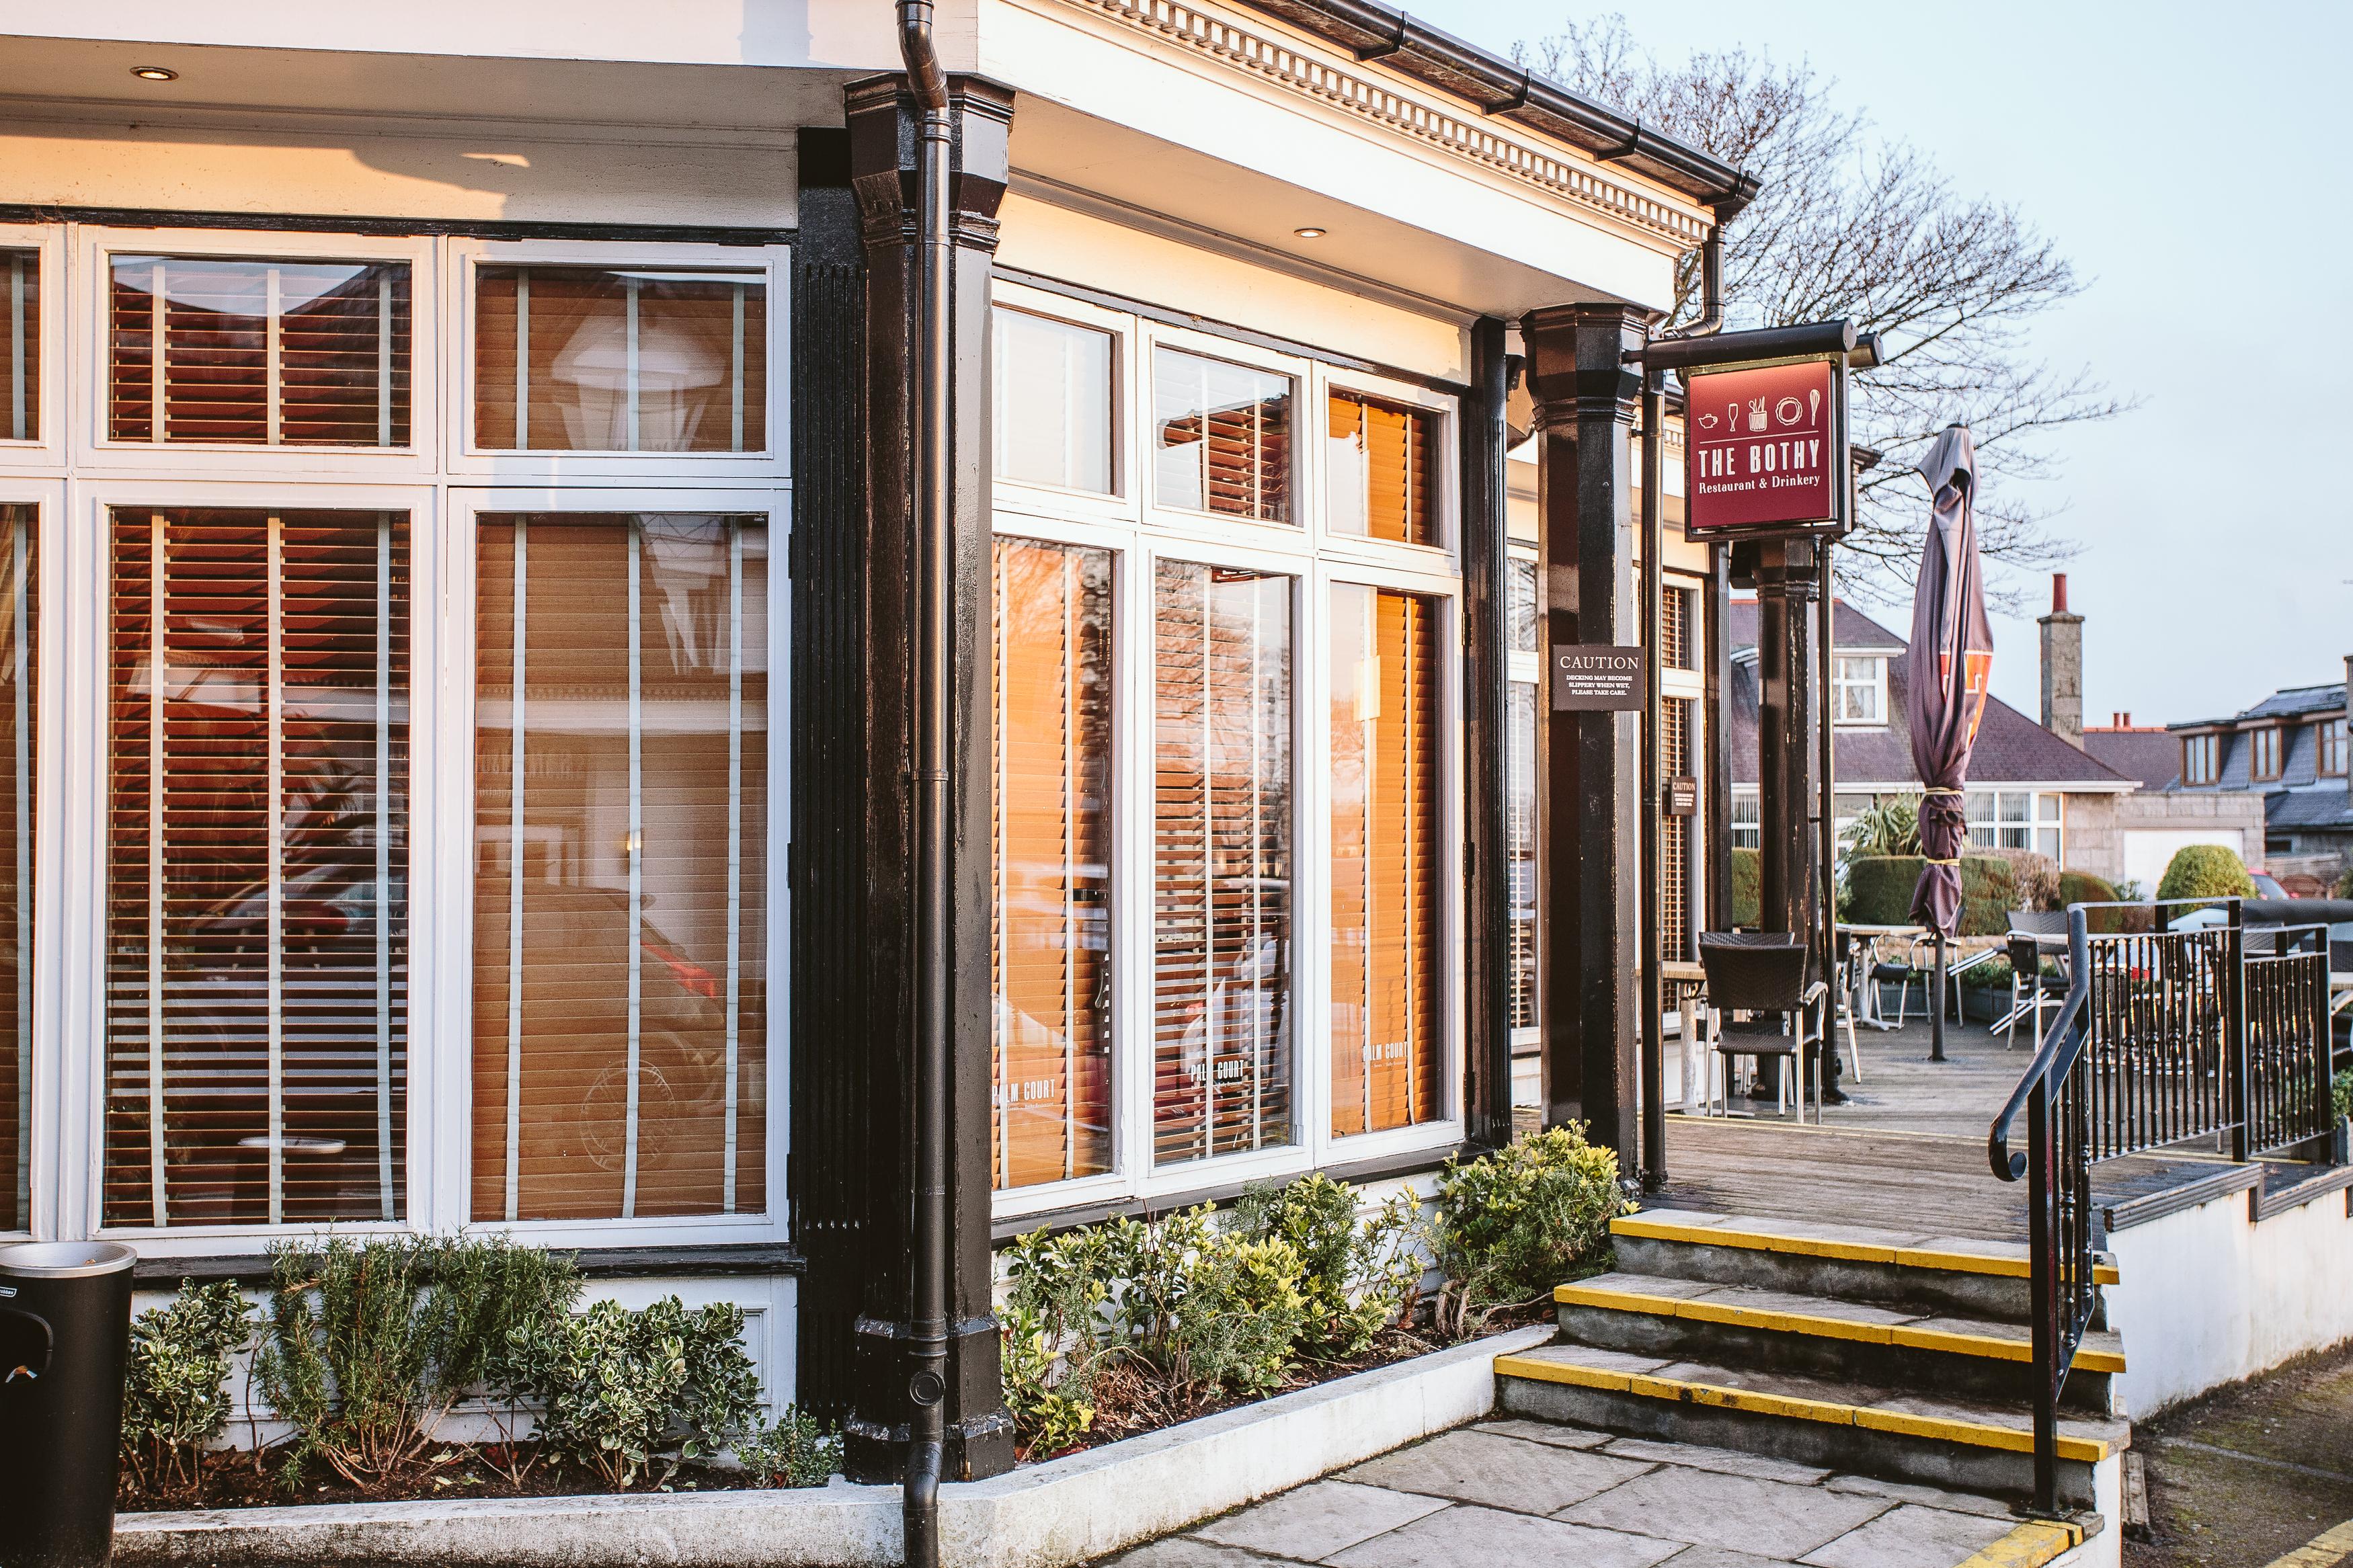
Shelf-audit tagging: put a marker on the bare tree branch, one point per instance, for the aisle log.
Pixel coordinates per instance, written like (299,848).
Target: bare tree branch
(1850,224)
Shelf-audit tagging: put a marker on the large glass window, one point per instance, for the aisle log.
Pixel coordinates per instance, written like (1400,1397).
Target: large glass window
(1858,690)
(2263,751)
(2017,819)
(208,349)
(631,359)
(1221,437)
(256,1010)
(1386,922)
(1050,906)
(1053,402)
(620,872)
(20,361)
(1222,787)
(19,568)
(1379,469)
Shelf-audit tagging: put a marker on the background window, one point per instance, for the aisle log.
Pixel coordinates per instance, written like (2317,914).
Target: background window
(258,922)
(1050,907)
(1678,648)
(1053,402)
(1222,438)
(1520,605)
(1520,846)
(1748,823)
(1221,861)
(1859,690)
(2336,748)
(1379,462)
(2002,819)
(2050,826)
(2263,751)
(640,359)
(19,638)
(20,365)
(620,885)
(2198,759)
(213,350)
(1386,1053)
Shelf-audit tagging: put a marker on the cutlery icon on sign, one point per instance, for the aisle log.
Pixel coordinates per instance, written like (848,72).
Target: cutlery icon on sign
(1813,404)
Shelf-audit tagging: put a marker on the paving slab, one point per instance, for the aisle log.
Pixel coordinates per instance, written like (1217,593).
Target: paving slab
(1931,1497)
(1473,1537)
(1184,1551)
(1550,1432)
(1718,1557)
(1729,1462)
(1769,1517)
(1318,1518)
(1910,1536)
(1503,1472)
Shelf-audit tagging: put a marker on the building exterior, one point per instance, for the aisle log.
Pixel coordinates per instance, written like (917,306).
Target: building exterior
(2291,753)
(456,472)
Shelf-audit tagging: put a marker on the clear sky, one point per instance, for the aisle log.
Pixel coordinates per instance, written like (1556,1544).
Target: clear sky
(2194,162)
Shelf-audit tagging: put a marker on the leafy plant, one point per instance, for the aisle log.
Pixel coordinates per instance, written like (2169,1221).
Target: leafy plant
(1045,1377)
(370,1344)
(2340,1094)
(2345,884)
(1747,887)
(173,1397)
(1513,1223)
(493,1297)
(1356,1279)
(797,1451)
(2204,871)
(1890,824)
(632,1394)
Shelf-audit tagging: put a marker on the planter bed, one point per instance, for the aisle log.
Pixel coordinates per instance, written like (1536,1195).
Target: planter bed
(1064,1511)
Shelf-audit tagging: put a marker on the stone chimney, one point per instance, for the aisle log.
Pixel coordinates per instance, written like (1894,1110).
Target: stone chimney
(2063,666)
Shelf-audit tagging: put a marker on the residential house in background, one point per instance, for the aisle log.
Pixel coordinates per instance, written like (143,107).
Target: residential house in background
(2291,753)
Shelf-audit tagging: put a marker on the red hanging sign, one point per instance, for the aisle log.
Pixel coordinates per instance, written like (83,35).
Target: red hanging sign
(1759,447)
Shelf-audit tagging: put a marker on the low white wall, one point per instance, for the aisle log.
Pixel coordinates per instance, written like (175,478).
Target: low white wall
(2209,1297)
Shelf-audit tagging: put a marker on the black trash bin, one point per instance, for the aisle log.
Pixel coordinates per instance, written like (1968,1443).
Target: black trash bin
(64,1330)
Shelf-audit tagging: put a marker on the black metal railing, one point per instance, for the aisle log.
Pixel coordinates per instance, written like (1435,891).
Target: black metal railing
(2177,1032)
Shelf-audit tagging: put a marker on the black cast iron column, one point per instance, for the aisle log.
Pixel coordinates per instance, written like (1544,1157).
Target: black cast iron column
(1487,957)
(884,143)
(1786,592)
(1585,400)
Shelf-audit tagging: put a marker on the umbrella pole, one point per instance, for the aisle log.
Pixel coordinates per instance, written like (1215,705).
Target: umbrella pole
(1936,1013)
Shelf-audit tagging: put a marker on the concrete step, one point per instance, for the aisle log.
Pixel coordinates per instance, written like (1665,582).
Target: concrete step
(1836,1422)
(1826,1336)
(1986,1281)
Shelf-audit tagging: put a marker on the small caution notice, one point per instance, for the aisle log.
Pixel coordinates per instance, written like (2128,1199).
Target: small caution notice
(1596,679)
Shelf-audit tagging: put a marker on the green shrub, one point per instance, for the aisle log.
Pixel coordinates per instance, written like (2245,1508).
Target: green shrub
(1513,1223)
(1880,888)
(173,1397)
(632,1394)
(1355,1279)
(1747,888)
(797,1451)
(1050,1404)
(2345,884)
(2034,876)
(2340,1093)
(2204,871)
(370,1344)
(1988,892)
(2084,888)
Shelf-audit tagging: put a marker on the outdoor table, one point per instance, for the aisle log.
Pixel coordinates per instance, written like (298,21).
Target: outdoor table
(1687,981)
(1872,936)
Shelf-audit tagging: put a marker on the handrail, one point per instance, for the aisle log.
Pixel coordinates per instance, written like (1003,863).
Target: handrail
(2070,1032)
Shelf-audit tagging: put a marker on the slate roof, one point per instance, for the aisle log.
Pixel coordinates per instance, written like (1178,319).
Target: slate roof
(2290,703)
(2011,747)
(2325,807)
(2152,756)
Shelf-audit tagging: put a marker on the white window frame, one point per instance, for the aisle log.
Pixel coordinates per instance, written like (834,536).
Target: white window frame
(2335,755)
(47,1061)
(45,450)
(94,452)
(1876,686)
(453,999)
(2260,739)
(1139,533)
(470,461)
(2202,759)
(1123,503)
(1747,799)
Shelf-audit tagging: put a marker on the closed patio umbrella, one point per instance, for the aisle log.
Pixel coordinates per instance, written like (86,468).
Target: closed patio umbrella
(1951,658)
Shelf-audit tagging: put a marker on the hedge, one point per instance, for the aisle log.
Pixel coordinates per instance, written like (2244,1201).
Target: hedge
(1748,888)
(1879,889)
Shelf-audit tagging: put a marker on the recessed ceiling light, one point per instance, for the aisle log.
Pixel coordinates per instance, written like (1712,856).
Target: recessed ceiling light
(1309,233)
(154,73)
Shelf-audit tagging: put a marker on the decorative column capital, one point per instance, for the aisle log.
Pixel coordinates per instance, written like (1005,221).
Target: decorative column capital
(1577,363)
(886,136)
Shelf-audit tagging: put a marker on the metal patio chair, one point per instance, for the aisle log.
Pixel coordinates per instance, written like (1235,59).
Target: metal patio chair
(1764,972)
(2031,993)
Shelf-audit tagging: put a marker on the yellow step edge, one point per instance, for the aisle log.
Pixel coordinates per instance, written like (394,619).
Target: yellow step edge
(1643,1227)
(1990,1347)
(2030,1545)
(1972,1433)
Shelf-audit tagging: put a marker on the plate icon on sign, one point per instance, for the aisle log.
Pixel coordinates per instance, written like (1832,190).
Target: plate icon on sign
(1787,410)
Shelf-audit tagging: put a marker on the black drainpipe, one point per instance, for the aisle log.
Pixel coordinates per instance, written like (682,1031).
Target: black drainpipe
(927,1347)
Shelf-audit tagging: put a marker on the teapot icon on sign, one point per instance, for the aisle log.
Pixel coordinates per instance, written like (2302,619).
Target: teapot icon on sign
(1756,414)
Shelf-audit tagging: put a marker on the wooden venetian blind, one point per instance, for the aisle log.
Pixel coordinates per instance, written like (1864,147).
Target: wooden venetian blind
(1676,835)
(1520,846)
(1222,782)
(20,362)
(19,637)
(256,925)
(1379,459)
(1221,437)
(1053,415)
(1050,910)
(620,865)
(594,359)
(222,351)
(1385,824)
(1677,649)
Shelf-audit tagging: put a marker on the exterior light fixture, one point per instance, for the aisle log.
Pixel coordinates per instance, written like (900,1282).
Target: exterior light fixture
(154,73)
(1309,233)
